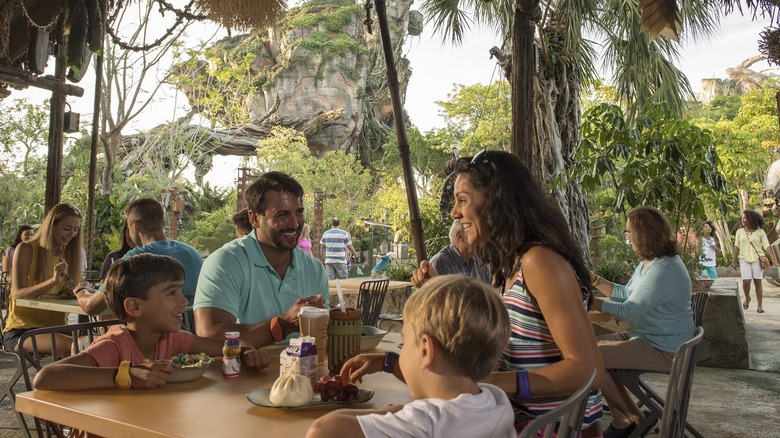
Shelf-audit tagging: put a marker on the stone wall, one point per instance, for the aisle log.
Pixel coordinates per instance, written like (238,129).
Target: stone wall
(725,340)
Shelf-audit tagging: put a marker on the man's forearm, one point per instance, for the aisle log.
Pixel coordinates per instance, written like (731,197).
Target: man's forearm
(259,334)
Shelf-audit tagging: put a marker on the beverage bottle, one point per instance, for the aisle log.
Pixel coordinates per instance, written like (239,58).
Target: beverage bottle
(231,364)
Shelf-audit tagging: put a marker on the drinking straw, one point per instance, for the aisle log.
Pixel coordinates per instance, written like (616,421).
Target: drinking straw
(342,305)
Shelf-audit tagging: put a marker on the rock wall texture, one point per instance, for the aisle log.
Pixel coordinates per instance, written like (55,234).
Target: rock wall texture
(320,58)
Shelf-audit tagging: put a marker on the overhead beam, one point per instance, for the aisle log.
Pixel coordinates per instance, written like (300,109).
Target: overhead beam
(25,79)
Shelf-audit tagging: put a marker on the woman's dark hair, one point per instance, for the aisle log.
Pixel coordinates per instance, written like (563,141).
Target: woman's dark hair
(125,243)
(518,214)
(651,233)
(754,219)
(19,233)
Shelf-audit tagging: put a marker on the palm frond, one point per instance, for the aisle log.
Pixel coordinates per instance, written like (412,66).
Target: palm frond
(447,18)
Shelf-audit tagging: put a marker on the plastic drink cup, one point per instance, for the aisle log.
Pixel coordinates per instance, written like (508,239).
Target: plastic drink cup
(313,321)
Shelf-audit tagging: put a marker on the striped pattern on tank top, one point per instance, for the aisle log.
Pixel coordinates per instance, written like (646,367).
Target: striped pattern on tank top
(531,346)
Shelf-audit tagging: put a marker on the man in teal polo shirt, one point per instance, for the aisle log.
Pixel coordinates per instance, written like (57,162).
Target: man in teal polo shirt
(257,284)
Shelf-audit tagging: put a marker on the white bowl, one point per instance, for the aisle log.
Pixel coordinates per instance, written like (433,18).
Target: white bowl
(371,337)
(186,374)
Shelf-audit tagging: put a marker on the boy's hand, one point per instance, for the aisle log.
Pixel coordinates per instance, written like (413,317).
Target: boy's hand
(150,374)
(356,367)
(254,360)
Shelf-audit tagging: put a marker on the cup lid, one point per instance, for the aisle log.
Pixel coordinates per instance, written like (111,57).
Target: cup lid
(311,311)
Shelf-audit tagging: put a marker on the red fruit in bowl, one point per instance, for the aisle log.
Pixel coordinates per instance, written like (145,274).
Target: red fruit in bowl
(333,385)
(338,379)
(325,378)
(317,387)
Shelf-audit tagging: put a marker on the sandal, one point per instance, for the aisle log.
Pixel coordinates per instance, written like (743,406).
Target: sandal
(746,304)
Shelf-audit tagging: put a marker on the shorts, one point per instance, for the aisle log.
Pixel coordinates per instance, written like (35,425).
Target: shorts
(709,271)
(11,338)
(336,271)
(751,270)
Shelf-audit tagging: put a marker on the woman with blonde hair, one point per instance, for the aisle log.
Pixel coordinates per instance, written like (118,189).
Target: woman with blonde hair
(43,266)
(304,242)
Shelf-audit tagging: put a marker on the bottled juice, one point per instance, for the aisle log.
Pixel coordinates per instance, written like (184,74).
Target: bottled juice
(231,363)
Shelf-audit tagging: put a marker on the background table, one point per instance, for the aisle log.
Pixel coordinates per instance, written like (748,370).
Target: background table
(208,406)
(351,286)
(57,305)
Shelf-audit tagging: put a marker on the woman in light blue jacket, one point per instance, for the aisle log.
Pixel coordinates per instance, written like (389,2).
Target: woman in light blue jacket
(656,302)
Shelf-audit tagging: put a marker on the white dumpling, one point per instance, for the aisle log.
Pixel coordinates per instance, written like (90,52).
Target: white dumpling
(291,390)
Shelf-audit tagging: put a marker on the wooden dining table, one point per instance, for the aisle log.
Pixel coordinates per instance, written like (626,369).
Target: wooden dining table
(211,405)
(58,305)
(351,286)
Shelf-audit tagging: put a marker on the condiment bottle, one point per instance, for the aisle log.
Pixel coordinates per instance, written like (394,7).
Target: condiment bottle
(231,365)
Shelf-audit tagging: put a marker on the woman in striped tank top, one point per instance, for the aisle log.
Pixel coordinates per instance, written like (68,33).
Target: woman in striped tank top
(540,272)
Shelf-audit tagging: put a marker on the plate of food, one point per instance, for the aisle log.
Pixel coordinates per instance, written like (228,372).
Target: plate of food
(188,367)
(327,393)
(261,397)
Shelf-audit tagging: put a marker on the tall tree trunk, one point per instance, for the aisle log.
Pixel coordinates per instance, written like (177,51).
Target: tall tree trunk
(556,132)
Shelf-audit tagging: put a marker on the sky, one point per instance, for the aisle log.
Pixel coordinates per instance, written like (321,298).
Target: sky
(436,67)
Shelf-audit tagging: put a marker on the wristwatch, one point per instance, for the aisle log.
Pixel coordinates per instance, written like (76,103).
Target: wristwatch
(276,329)
(390,361)
(122,379)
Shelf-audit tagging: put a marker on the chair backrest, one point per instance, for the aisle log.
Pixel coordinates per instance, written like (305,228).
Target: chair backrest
(698,304)
(5,289)
(188,320)
(371,299)
(84,334)
(75,334)
(678,391)
(565,420)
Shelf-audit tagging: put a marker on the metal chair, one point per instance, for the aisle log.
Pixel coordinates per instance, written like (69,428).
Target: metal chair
(678,391)
(395,317)
(370,301)
(188,320)
(7,388)
(698,305)
(680,380)
(34,360)
(565,420)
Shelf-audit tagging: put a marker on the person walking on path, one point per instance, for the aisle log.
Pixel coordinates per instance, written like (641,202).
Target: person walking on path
(337,242)
(709,247)
(750,244)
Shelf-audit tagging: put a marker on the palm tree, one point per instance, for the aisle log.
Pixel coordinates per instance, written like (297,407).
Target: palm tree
(546,97)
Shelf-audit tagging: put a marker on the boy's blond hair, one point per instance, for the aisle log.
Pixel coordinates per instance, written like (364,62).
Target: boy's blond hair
(466,317)
(134,276)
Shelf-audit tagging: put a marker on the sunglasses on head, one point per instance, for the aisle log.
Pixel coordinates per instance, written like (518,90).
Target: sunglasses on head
(481,164)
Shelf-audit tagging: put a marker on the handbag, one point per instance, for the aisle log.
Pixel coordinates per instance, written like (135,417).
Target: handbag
(762,259)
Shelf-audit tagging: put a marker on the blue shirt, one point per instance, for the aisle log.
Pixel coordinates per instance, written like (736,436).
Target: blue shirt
(336,241)
(188,256)
(382,264)
(238,279)
(656,304)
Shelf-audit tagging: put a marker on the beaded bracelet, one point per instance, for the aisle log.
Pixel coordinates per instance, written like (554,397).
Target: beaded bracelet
(523,388)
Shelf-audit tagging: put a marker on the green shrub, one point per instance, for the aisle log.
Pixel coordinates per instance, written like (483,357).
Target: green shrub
(400,271)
